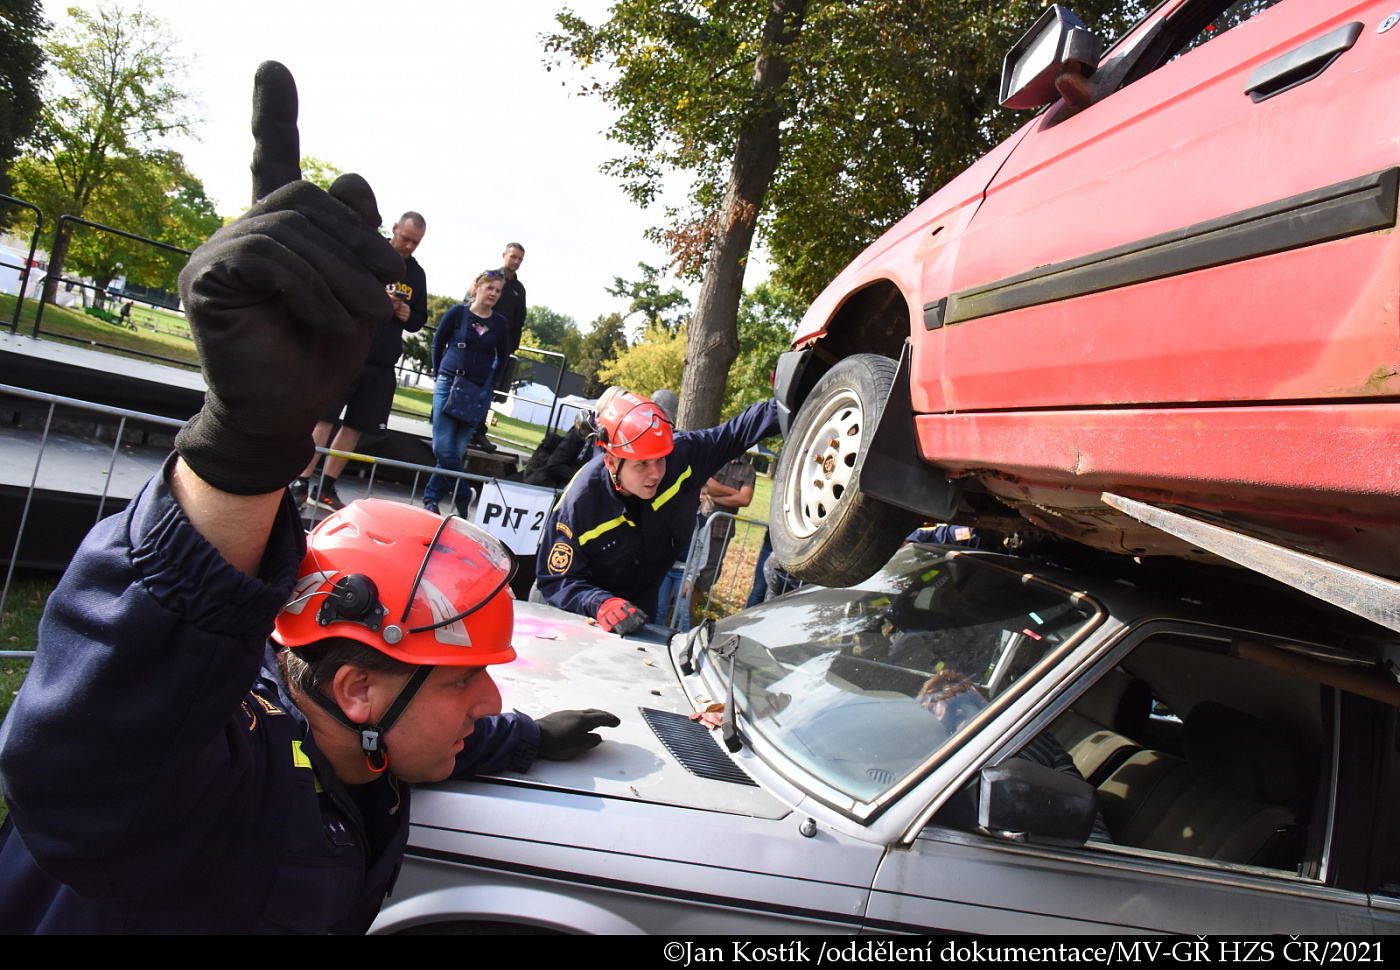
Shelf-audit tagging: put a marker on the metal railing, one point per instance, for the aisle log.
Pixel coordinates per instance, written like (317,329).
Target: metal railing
(100,484)
(29,262)
(725,558)
(56,279)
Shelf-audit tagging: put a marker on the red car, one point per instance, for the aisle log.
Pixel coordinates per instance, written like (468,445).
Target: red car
(1178,283)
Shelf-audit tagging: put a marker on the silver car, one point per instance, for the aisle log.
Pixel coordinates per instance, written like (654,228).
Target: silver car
(965,742)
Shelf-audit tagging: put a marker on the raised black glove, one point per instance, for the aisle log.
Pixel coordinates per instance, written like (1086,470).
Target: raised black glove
(565,734)
(282,304)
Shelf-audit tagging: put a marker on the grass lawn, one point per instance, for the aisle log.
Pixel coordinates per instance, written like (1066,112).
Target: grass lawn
(414,400)
(154,318)
(118,340)
(525,437)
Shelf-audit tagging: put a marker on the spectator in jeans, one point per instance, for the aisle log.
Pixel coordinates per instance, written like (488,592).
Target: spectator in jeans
(471,344)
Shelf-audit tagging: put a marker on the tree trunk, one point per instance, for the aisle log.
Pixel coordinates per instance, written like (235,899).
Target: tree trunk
(712,340)
(57,256)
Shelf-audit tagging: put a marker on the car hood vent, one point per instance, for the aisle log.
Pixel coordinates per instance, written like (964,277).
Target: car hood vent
(881,777)
(694,746)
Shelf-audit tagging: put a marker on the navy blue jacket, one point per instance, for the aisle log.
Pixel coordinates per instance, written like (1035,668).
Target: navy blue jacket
(387,345)
(599,544)
(158,775)
(459,349)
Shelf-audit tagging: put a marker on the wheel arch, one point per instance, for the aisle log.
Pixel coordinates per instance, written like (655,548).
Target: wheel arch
(533,908)
(872,320)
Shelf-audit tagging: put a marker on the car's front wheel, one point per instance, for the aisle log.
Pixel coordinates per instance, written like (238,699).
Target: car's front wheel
(825,529)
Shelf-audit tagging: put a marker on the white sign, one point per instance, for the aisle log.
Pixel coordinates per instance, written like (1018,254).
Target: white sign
(514,513)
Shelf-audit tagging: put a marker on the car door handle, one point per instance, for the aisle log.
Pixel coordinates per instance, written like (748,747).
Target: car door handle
(1301,64)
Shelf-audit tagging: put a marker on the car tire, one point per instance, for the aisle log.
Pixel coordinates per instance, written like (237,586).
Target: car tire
(825,529)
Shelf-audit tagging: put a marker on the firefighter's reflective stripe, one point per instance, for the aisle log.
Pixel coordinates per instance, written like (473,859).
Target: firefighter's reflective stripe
(670,493)
(300,760)
(606,526)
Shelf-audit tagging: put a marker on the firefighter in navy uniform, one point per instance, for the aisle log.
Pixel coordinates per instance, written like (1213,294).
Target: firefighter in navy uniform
(629,513)
(168,768)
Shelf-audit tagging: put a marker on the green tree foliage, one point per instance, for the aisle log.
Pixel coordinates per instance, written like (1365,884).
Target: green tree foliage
(112,94)
(547,329)
(768,315)
(437,309)
(890,100)
(701,87)
(605,341)
(319,171)
(418,347)
(21,73)
(655,361)
(669,310)
(151,195)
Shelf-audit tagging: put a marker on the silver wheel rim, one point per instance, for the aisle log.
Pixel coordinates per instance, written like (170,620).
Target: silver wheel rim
(826,464)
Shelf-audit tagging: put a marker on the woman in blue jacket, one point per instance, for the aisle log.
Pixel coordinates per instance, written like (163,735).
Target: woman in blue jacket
(470,347)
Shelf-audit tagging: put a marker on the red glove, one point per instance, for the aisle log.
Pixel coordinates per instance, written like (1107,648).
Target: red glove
(620,617)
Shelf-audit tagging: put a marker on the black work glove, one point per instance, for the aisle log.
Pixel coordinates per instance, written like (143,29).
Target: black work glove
(282,304)
(619,616)
(565,734)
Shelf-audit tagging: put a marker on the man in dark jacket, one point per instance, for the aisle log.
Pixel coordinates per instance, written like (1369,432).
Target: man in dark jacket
(167,768)
(629,513)
(370,396)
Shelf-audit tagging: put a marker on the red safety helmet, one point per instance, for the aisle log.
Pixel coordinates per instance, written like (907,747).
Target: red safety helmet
(419,587)
(422,588)
(634,427)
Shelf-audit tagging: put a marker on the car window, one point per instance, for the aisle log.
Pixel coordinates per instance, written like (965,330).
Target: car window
(1196,753)
(862,687)
(1384,875)
(1233,15)
(1190,27)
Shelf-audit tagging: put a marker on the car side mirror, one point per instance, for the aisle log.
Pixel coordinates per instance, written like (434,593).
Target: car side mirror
(1027,802)
(1058,41)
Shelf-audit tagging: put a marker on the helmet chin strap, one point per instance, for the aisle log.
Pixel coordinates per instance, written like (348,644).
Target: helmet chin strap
(617,474)
(372,735)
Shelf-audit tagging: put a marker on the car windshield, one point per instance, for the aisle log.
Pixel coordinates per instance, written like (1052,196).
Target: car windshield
(862,686)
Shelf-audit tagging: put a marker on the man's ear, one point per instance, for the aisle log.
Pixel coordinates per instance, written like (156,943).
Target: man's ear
(610,461)
(350,689)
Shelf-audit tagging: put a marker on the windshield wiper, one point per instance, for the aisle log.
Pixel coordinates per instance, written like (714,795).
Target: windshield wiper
(701,634)
(729,648)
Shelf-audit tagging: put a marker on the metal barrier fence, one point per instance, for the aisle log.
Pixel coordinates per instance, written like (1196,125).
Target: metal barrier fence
(403,368)
(56,279)
(126,467)
(29,262)
(722,564)
(725,563)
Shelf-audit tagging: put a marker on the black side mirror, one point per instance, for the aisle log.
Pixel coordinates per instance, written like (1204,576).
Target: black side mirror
(1058,40)
(1027,802)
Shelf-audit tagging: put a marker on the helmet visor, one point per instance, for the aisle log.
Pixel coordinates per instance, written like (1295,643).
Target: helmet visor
(463,570)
